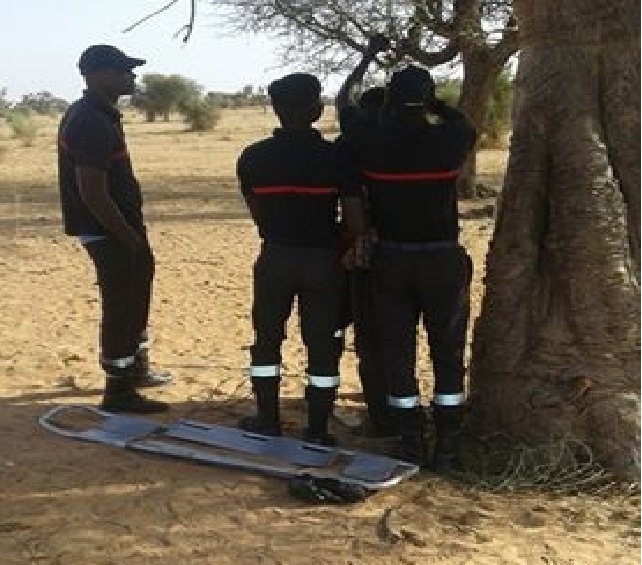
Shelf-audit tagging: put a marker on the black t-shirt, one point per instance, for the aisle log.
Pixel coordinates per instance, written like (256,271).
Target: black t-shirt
(91,134)
(409,173)
(295,180)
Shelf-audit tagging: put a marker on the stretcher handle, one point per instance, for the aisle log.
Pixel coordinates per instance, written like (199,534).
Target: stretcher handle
(46,420)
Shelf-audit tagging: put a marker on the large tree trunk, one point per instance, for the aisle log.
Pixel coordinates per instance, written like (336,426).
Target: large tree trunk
(556,348)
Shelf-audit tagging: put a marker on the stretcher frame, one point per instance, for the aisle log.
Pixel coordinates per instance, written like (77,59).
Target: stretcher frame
(222,446)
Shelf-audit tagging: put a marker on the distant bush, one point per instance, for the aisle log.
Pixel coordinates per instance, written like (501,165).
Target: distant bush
(162,94)
(200,114)
(43,103)
(22,125)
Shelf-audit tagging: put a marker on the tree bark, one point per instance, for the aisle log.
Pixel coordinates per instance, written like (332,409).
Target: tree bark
(556,348)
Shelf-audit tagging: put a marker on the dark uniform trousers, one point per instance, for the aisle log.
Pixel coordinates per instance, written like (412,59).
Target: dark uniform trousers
(370,365)
(315,276)
(430,282)
(125,283)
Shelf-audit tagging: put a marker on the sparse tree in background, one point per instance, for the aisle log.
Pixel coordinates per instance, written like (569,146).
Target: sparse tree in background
(327,36)
(556,349)
(161,95)
(43,103)
(238,99)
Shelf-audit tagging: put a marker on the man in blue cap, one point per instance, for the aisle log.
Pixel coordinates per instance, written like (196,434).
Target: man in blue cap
(102,206)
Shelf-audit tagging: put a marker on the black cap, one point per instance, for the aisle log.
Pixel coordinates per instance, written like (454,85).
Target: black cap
(106,57)
(297,90)
(411,86)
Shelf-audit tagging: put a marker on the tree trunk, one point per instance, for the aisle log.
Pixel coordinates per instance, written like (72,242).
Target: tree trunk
(482,66)
(556,348)
(480,73)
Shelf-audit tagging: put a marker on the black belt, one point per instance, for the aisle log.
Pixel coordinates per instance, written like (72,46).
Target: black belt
(425,246)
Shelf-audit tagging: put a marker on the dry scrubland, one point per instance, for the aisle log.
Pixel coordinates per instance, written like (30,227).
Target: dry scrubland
(69,502)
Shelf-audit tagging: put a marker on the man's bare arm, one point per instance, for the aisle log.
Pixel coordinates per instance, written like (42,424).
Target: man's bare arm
(347,95)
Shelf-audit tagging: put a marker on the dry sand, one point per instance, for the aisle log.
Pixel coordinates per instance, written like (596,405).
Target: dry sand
(76,503)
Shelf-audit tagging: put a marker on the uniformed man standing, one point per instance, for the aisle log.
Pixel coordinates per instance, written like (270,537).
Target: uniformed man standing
(102,206)
(420,271)
(359,110)
(293,183)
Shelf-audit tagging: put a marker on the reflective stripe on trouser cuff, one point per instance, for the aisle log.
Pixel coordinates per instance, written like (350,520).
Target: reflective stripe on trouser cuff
(120,363)
(404,401)
(454,399)
(323,382)
(143,345)
(262,371)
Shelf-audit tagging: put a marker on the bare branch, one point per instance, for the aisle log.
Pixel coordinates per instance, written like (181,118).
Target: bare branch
(150,16)
(188,28)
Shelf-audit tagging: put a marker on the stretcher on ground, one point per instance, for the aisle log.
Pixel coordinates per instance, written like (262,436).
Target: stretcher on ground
(217,445)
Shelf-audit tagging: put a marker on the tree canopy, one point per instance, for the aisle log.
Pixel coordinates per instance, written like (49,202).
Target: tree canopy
(162,94)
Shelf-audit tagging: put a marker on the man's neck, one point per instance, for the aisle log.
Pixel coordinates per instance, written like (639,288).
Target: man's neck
(296,126)
(106,97)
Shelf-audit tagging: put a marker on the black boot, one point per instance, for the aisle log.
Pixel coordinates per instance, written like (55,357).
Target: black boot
(144,376)
(320,405)
(121,396)
(267,421)
(410,424)
(448,420)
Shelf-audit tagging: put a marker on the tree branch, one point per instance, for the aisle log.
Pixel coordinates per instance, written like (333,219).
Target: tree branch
(188,28)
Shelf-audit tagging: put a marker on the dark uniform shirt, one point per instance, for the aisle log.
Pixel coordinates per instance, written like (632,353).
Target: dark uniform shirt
(91,135)
(410,172)
(296,178)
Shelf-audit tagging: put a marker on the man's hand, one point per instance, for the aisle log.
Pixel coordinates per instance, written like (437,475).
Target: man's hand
(437,106)
(363,249)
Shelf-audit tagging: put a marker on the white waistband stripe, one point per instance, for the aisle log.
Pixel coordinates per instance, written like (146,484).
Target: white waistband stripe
(323,382)
(261,371)
(454,399)
(120,363)
(404,401)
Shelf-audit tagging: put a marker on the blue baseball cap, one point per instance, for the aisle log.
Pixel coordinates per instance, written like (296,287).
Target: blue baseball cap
(99,57)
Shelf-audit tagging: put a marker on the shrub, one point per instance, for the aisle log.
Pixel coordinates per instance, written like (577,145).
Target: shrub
(23,126)
(448,90)
(200,114)
(498,112)
(498,115)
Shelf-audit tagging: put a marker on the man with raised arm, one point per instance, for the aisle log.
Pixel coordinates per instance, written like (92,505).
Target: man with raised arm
(419,270)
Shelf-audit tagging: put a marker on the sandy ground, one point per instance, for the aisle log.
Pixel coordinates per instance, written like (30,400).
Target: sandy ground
(71,502)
